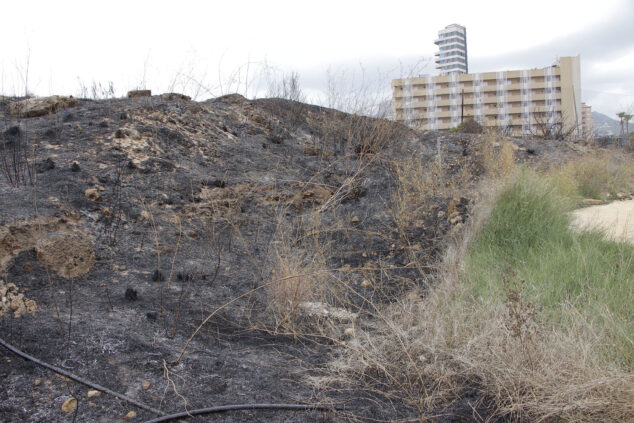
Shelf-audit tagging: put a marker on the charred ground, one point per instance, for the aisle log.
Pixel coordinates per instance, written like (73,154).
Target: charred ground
(128,221)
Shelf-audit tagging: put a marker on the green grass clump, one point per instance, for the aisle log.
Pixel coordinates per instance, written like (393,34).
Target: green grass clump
(564,272)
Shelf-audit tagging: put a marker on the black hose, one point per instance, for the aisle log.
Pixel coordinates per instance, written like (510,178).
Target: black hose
(237,407)
(78,379)
(163,418)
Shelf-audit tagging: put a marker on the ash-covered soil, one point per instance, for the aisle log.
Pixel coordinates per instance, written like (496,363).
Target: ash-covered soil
(137,218)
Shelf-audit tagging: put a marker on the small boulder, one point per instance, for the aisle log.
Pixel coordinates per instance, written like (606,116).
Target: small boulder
(12,135)
(130,415)
(93,195)
(127,133)
(45,165)
(34,107)
(455,220)
(139,93)
(175,96)
(131,294)
(69,405)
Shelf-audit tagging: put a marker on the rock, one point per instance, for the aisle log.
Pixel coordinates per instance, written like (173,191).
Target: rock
(131,294)
(175,96)
(311,150)
(592,202)
(214,183)
(317,194)
(145,385)
(34,107)
(69,405)
(74,167)
(457,227)
(139,93)
(45,165)
(13,301)
(93,195)
(231,99)
(53,133)
(93,393)
(127,133)
(455,220)
(319,309)
(11,136)
(130,415)
(70,255)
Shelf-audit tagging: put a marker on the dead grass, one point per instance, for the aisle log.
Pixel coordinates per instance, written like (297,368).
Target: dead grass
(307,295)
(601,174)
(422,183)
(302,279)
(429,349)
(497,156)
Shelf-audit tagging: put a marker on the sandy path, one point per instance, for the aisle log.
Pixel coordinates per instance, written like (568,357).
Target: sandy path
(616,218)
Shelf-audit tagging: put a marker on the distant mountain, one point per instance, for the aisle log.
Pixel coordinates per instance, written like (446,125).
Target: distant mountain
(605,125)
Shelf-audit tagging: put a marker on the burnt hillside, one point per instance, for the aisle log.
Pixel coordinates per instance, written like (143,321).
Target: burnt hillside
(124,223)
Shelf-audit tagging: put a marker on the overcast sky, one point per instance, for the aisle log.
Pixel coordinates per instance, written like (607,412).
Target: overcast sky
(211,48)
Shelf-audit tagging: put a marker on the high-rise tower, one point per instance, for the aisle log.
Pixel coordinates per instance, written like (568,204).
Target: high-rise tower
(452,57)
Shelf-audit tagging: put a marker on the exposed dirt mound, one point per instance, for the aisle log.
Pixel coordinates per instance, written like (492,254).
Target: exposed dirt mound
(33,107)
(69,254)
(16,237)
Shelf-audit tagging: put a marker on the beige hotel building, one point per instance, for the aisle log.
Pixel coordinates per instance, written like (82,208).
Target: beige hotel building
(519,102)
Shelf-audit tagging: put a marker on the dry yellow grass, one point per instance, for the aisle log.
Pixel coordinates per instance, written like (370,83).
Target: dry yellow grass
(600,174)
(427,348)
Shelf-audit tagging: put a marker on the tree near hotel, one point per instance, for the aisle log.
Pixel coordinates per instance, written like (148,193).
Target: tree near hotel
(627,117)
(621,116)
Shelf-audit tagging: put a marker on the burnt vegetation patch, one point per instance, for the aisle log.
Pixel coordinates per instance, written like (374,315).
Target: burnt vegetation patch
(236,247)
